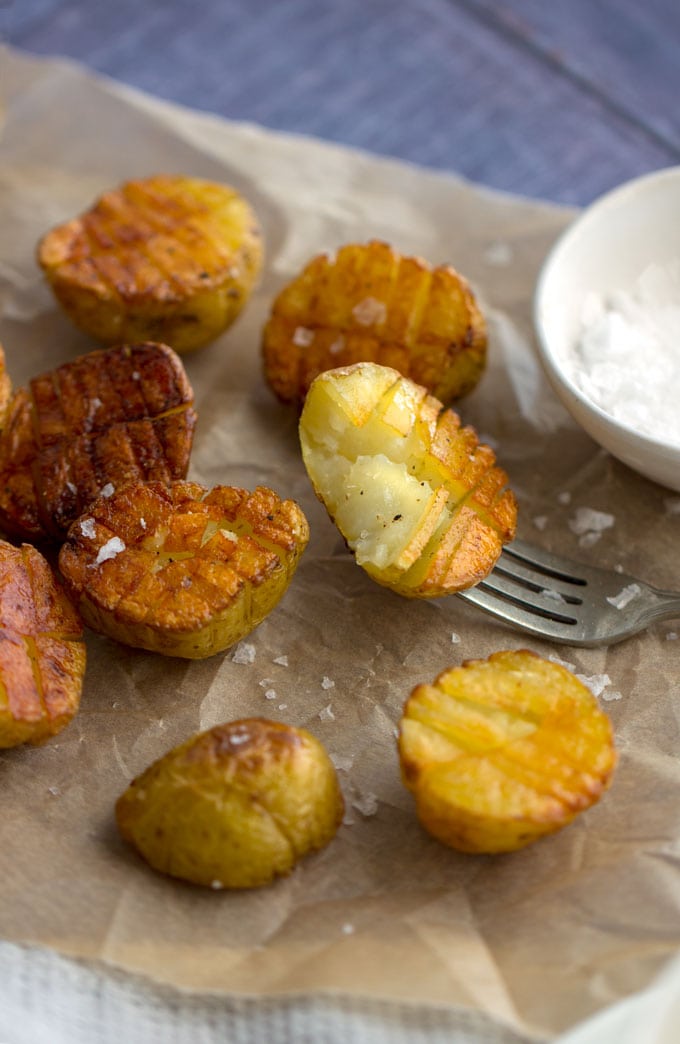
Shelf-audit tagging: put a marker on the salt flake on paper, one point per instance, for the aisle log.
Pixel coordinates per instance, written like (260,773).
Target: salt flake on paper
(672,636)
(327,683)
(370,311)
(270,694)
(564,497)
(625,596)
(244,653)
(540,521)
(612,696)
(343,763)
(327,714)
(110,549)
(282,661)
(455,638)
(367,804)
(589,524)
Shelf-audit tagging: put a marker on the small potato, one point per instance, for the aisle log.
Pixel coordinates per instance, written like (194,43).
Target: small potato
(165,258)
(42,656)
(370,304)
(107,418)
(234,807)
(181,569)
(418,499)
(500,752)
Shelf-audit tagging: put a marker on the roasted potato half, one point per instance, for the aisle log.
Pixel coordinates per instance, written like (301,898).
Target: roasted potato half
(42,656)
(107,418)
(368,303)
(234,807)
(500,752)
(165,258)
(418,499)
(181,569)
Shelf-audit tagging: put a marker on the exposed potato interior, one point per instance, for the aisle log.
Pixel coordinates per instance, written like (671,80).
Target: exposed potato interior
(500,752)
(235,806)
(180,569)
(419,501)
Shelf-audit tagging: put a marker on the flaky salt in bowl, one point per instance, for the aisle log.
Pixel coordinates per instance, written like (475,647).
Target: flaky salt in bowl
(607,315)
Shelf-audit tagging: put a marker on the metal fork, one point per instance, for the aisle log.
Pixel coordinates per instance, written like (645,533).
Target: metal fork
(566,601)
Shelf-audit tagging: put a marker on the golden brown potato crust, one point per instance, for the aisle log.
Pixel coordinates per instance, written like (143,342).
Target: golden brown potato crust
(165,258)
(5,388)
(234,807)
(42,659)
(182,570)
(420,501)
(500,752)
(108,418)
(371,304)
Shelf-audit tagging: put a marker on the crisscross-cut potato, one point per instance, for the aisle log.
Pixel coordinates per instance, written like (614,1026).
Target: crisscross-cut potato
(234,807)
(107,418)
(369,303)
(42,656)
(164,258)
(419,500)
(182,570)
(500,752)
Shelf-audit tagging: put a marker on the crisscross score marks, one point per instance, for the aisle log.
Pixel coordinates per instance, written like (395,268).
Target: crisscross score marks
(189,567)
(369,303)
(419,500)
(501,751)
(42,659)
(166,257)
(116,416)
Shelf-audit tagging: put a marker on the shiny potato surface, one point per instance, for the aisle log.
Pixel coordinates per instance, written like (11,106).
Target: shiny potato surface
(107,418)
(5,388)
(165,258)
(501,752)
(369,303)
(234,807)
(419,500)
(42,656)
(182,570)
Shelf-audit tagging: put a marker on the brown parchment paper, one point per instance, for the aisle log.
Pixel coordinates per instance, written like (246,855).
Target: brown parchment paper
(538,939)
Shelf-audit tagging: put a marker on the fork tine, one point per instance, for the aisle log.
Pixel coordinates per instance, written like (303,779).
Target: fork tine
(544,562)
(517,615)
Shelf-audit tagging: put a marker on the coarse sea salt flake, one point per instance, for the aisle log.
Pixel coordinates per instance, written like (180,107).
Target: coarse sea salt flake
(108,490)
(588,520)
(348,929)
(327,714)
(540,521)
(302,337)
(455,638)
(625,596)
(327,683)
(282,661)
(270,694)
(672,636)
(612,696)
(87,527)
(367,804)
(370,311)
(244,653)
(554,596)
(110,549)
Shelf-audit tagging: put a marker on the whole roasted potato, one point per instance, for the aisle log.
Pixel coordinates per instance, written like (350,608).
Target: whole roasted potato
(105,419)
(500,752)
(234,807)
(181,569)
(370,304)
(42,655)
(165,258)
(418,499)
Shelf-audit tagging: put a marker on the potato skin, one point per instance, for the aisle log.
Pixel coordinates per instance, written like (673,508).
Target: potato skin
(42,655)
(180,569)
(420,501)
(107,418)
(164,258)
(372,304)
(234,807)
(501,752)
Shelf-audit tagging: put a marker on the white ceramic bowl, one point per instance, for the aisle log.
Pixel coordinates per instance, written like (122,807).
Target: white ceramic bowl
(605,250)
